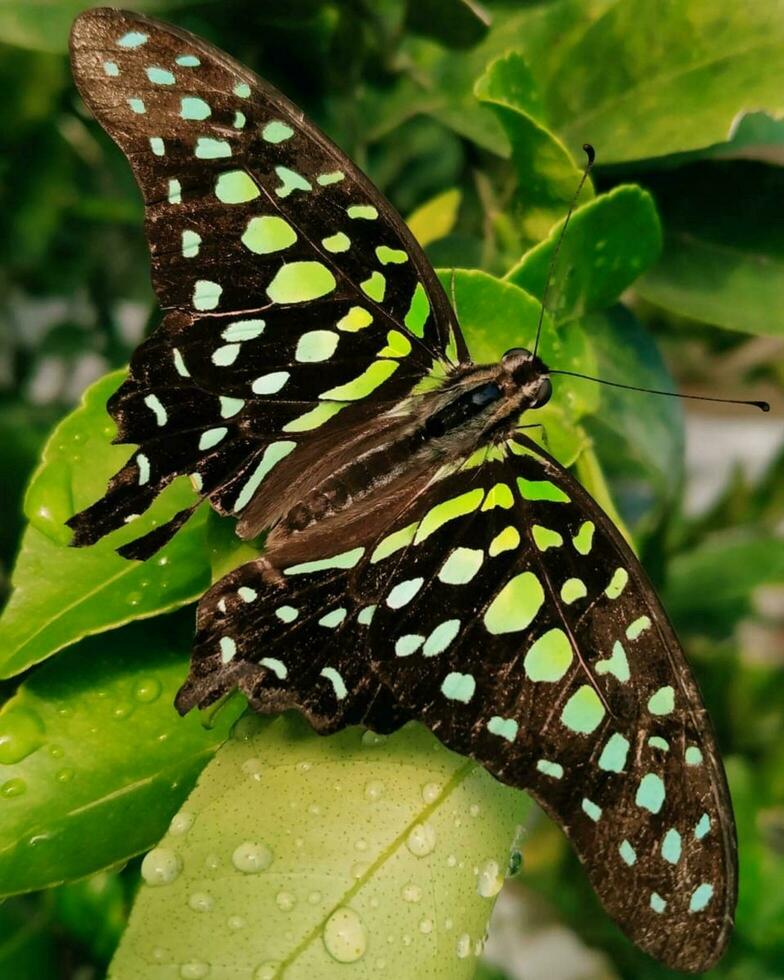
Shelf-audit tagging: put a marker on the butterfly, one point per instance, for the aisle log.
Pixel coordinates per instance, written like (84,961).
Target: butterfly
(425,558)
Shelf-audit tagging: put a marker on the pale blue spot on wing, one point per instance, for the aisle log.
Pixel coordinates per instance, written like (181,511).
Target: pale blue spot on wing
(110,68)
(591,809)
(226,355)
(188,61)
(269,384)
(671,846)
(133,39)
(242,90)
(650,792)
(143,464)
(458,687)
(703,826)
(179,364)
(160,76)
(230,406)
(503,727)
(441,637)
(206,294)
(247,594)
(338,685)
(192,107)
(287,614)
(242,330)
(700,898)
(404,592)
(228,649)
(276,666)
(208,148)
(548,768)
(408,643)
(212,437)
(333,619)
(137,106)
(613,757)
(155,405)
(156,145)
(345,560)
(191,240)
(628,853)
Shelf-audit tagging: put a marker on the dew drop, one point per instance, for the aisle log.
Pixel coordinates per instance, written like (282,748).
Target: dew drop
(421,840)
(13,787)
(212,862)
(361,844)
(159,954)
(451,861)
(147,690)
(21,733)
(463,946)
(161,866)
(181,823)
(133,598)
(235,922)
(56,751)
(201,902)
(431,792)
(251,857)
(304,766)
(122,710)
(358,870)
(285,901)
(252,768)
(411,893)
(490,881)
(374,790)
(314,898)
(474,809)
(267,971)
(314,810)
(407,940)
(372,739)
(344,936)
(195,970)
(64,775)
(426,927)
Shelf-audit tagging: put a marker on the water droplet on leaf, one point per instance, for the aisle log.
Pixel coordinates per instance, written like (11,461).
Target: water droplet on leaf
(490,880)
(21,733)
(251,857)
(344,936)
(161,866)
(421,839)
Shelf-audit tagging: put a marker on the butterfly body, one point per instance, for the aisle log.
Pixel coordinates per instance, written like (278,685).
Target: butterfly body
(424,557)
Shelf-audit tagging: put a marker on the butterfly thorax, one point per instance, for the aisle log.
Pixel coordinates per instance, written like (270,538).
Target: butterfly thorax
(432,432)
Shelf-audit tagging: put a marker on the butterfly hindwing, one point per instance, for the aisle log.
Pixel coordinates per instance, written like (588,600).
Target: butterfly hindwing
(292,289)
(522,630)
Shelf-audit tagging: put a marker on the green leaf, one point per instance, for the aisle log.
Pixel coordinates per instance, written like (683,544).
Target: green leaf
(62,594)
(305,853)
(723,260)
(455,23)
(95,760)
(711,587)
(435,218)
(547,175)
(93,911)
(645,80)
(609,243)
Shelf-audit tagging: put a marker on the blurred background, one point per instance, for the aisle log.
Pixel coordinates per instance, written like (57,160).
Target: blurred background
(681,98)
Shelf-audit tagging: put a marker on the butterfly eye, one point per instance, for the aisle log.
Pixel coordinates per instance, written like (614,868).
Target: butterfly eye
(544,394)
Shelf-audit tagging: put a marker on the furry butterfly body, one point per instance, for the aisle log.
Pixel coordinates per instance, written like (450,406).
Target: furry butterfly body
(425,558)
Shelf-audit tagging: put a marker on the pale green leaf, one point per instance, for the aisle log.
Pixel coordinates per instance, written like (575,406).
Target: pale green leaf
(303,854)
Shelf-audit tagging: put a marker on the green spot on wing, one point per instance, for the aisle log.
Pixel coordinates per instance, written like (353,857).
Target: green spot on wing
(613,757)
(300,282)
(544,538)
(268,233)
(458,687)
(583,712)
(276,132)
(549,657)
(541,490)
(662,702)
(650,792)
(235,187)
(418,312)
(461,566)
(448,510)
(361,386)
(346,559)
(273,454)
(515,606)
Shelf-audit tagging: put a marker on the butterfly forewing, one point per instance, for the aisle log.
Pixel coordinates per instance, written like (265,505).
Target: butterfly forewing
(292,287)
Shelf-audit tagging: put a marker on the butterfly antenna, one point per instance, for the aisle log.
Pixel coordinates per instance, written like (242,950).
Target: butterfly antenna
(454,294)
(762,406)
(591,154)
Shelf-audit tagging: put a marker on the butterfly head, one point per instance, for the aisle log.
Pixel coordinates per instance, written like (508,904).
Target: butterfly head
(529,375)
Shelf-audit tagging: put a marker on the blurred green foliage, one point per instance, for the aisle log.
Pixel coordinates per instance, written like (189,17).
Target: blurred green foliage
(470,118)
